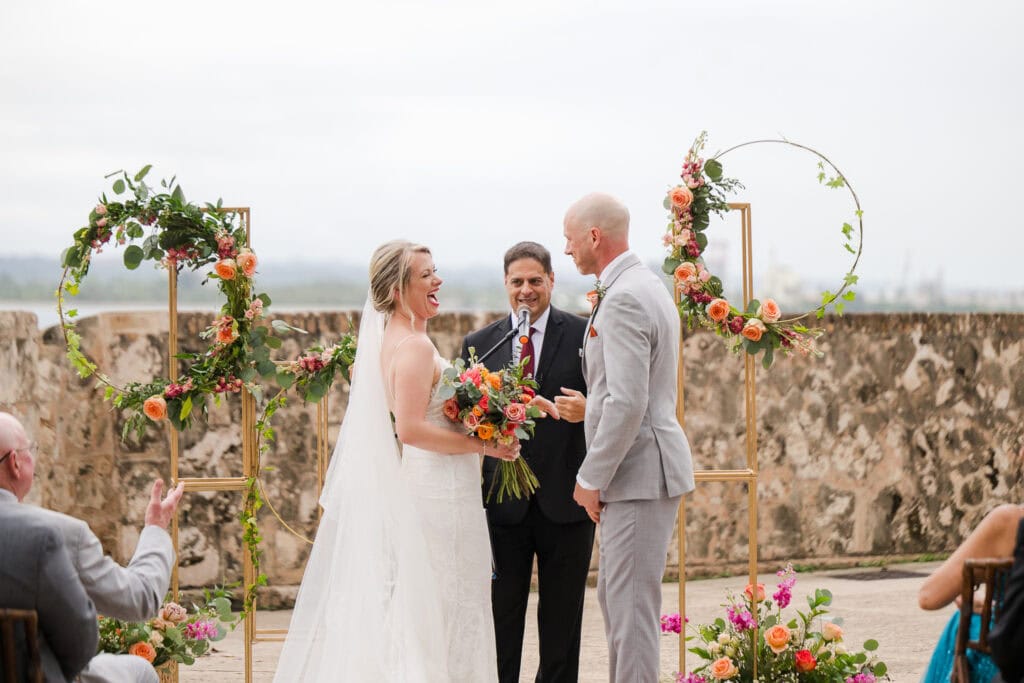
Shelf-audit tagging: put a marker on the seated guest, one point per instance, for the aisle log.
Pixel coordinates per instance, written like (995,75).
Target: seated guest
(993,537)
(36,574)
(132,593)
(1007,637)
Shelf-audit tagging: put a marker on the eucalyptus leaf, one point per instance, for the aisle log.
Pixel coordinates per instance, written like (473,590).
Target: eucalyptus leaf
(266,368)
(133,256)
(285,380)
(445,392)
(273,342)
(670,265)
(142,174)
(713,168)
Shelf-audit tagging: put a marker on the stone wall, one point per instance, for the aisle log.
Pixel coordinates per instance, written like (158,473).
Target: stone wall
(896,442)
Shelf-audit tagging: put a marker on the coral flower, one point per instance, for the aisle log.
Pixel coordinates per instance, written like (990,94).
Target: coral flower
(144,650)
(155,408)
(226,334)
(226,269)
(718,310)
(485,431)
(769,311)
(723,669)
(749,592)
(753,329)
(777,638)
(681,197)
(686,271)
(805,661)
(831,631)
(451,409)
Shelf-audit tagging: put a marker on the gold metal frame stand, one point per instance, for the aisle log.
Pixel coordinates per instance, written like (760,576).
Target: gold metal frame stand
(250,458)
(746,476)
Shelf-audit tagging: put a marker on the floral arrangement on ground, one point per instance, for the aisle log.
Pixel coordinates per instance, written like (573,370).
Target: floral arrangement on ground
(175,634)
(804,648)
(757,327)
(163,227)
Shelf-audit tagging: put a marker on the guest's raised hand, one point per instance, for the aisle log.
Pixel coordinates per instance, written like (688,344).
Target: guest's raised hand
(160,512)
(572,405)
(546,406)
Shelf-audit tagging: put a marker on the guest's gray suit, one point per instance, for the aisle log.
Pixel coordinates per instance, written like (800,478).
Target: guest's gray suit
(36,573)
(132,593)
(637,455)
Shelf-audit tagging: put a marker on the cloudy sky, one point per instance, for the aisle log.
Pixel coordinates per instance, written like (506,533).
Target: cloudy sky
(469,126)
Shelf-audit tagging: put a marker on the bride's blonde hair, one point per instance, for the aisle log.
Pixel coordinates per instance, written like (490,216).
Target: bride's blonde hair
(389,272)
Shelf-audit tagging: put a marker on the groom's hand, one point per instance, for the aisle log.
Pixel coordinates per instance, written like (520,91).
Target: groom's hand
(589,500)
(546,406)
(571,405)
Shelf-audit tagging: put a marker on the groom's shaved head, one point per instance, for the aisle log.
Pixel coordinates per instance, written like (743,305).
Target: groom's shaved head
(603,211)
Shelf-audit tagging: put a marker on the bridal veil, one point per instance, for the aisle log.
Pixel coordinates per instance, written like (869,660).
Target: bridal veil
(368,608)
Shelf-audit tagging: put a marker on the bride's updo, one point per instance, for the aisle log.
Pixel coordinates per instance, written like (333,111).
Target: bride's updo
(389,272)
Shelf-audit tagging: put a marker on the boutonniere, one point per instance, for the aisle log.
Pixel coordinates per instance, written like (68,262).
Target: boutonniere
(593,332)
(596,294)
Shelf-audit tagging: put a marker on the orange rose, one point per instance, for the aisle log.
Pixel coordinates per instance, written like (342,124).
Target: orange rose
(246,260)
(485,431)
(777,638)
(753,329)
(749,592)
(494,379)
(681,197)
(769,311)
(718,310)
(144,650)
(155,408)
(478,411)
(723,669)
(451,409)
(686,271)
(805,661)
(226,334)
(225,269)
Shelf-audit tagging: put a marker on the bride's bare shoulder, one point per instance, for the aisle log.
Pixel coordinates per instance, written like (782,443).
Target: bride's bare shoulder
(410,349)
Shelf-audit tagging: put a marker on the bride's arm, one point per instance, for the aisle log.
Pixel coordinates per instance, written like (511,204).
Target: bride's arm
(413,382)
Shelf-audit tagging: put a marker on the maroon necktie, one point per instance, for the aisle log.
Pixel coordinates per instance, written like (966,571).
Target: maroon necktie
(527,350)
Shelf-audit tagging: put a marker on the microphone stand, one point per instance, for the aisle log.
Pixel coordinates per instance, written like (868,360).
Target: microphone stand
(490,352)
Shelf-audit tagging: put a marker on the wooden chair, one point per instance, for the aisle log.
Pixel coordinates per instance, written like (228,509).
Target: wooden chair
(992,572)
(30,622)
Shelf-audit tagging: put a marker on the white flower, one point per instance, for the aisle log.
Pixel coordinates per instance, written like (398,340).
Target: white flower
(724,638)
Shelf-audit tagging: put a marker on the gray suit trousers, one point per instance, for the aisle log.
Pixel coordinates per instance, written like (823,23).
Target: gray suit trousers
(634,545)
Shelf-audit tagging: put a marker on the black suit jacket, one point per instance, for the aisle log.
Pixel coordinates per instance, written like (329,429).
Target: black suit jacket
(1007,637)
(557,448)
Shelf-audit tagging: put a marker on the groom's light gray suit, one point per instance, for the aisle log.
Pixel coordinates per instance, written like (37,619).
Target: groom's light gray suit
(132,593)
(637,456)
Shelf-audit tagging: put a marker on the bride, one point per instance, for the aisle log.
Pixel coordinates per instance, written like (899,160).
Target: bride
(397,586)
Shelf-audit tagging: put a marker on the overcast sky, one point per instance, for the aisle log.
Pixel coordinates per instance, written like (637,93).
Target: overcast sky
(469,126)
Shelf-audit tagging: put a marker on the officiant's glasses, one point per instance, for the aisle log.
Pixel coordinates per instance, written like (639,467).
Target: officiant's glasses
(31,448)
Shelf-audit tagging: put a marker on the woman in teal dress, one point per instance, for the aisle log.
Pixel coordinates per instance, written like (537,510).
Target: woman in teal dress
(994,537)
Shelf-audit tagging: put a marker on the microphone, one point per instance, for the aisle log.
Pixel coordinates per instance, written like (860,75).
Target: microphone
(523,326)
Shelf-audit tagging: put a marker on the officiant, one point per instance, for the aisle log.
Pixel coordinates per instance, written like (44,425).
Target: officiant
(549,526)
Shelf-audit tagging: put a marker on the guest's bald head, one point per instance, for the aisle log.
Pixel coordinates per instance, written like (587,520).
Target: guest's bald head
(17,468)
(596,231)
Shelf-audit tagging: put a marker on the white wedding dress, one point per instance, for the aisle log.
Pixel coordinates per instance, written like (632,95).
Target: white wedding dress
(397,586)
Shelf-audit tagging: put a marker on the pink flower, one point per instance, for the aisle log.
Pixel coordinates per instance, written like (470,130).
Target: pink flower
(226,246)
(201,630)
(516,412)
(101,209)
(101,223)
(471,421)
(246,260)
(736,324)
(671,623)
(173,612)
(769,311)
(741,618)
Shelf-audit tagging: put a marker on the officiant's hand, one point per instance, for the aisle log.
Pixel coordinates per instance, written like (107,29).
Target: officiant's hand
(572,405)
(160,512)
(589,500)
(545,405)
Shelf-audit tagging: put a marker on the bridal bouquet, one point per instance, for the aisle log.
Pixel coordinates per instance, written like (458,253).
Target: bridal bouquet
(494,406)
(174,635)
(801,649)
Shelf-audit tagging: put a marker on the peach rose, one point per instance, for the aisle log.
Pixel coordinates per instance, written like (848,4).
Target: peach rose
(681,197)
(749,592)
(831,631)
(723,669)
(471,421)
(226,334)
(451,409)
(226,269)
(173,612)
(753,329)
(246,260)
(144,650)
(155,408)
(686,271)
(494,379)
(101,209)
(777,638)
(485,431)
(718,310)
(156,638)
(769,311)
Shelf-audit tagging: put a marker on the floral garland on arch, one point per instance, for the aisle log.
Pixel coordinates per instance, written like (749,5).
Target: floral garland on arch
(759,327)
(174,233)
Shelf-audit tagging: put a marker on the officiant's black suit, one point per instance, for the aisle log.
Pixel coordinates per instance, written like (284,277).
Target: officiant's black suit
(550,525)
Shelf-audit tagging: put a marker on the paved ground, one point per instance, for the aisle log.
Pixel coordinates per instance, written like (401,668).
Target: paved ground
(884,609)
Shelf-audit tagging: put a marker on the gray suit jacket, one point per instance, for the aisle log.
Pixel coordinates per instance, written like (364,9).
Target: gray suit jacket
(36,573)
(636,449)
(132,593)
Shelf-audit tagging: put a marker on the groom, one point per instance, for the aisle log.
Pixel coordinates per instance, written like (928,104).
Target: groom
(638,462)
(548,526)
